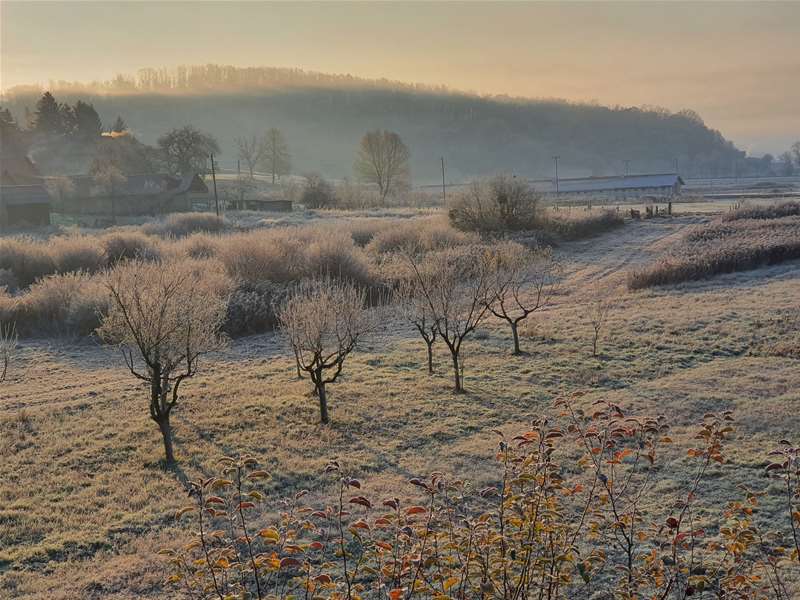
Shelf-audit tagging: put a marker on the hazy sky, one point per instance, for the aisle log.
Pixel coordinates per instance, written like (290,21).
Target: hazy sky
(737,64)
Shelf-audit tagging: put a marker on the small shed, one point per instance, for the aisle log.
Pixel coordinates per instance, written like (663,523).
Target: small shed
(24,206)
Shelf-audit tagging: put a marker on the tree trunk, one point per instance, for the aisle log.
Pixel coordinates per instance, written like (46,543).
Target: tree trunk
(457,373)
(166,433)
(430,357)
(515,334)
(323,403)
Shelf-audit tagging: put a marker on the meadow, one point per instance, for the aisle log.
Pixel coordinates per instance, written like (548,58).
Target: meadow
(87,501)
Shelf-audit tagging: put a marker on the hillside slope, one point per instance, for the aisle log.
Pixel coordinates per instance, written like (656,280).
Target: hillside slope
(324,117)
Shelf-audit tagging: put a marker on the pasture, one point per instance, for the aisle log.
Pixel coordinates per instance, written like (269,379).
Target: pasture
(86,501)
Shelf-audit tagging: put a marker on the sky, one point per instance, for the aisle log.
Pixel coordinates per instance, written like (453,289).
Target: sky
(735,63)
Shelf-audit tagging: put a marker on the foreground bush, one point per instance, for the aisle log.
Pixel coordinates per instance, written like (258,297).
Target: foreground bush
(57,305)
(575,512)
(502,203)
(727,247)
(25,260)
(771,211)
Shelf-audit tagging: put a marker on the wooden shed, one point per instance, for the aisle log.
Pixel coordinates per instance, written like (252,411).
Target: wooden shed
(24,206)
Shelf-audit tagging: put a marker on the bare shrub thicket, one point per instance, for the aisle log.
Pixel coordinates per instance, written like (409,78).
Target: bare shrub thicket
(454,284)
(127,245)
(290,254)
(324,320)
(27,260)
(55,305)
(581,504)
(502,203)
(77,253)
(164,318)
(726,247)
(183,224)
(418,235)
(317,192)
(520,282)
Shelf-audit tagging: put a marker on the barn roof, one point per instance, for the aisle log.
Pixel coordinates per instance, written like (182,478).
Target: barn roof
(146,184)
(20,195)
(614,183)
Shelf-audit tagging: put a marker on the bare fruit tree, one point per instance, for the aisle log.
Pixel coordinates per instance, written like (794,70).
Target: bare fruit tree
(164,317)
(251,151)
(599,308)
(383,160)
(414,308)
(8,342)
(521,281)
(324,321)
(454,284)
(275,154)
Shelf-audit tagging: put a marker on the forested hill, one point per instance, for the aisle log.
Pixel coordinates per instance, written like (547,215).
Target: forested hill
(323,118)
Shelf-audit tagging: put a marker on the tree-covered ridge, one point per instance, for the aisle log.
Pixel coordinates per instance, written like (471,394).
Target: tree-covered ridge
(326,115)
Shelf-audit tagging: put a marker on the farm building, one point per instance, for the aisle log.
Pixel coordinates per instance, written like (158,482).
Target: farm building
(138,195)
(24,206)
(629,186)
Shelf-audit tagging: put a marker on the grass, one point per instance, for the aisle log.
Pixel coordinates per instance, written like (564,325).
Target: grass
(86,502)
(725,247)
(769,211)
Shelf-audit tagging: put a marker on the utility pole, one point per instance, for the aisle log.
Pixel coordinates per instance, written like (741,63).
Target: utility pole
(555,160)
(444,191)
(676,166)
(214,178)
(239,183)
(627,167)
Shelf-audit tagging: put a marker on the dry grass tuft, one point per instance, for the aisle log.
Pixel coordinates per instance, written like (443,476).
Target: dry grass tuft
(183,224)
(769,211)
(726,247)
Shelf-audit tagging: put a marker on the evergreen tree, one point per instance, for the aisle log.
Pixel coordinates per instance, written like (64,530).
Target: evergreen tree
(69,120)
(119,125)
(47,118)
(88,125)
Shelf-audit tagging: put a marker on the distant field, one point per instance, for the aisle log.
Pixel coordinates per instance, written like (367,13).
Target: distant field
(73,424)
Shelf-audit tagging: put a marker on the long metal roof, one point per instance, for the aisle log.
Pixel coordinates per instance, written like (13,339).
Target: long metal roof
(610,184)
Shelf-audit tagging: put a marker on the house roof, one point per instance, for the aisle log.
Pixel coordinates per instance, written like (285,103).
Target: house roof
(614,183)
(146,184)
(20,195)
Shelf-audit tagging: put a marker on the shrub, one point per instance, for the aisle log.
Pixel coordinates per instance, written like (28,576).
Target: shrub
(128,245)
(266,255)
(577,510)
(27,259)
(77,253)
(418,235)
(726,247)
(770,211)
(197,245)
(183,224)
(317,193)
(289,254)
(502,203)
(333,254)
(65,304)
(252,308)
